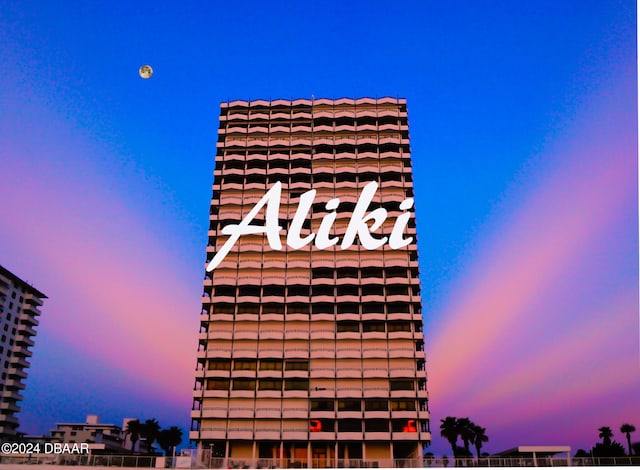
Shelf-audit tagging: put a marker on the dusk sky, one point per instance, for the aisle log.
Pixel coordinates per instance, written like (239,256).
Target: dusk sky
(523,127)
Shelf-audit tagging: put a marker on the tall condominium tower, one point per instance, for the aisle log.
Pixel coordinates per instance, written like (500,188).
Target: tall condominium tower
(19,307)
(311,350)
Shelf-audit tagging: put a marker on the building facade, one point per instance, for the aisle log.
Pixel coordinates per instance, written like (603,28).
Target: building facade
(19,308)
(102,438)
(311,350)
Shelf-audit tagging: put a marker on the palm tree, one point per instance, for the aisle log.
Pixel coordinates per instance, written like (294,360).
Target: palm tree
(605,434)
(133,429)
(479,436)
(449,430)
(150,430)
(465,429)
(169,439)
(628,429)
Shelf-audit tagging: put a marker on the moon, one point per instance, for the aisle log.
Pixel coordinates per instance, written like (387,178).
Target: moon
(145,71)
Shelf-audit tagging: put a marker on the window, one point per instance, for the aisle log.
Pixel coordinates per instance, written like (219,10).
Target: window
(348,290)
(296,365)
(322,405)
(404,425)
(270,364)
(376,405)
(349,405)
(220,364)
(402,385)
(344,326)
(376,425)
(244,384)
(218,384)
(349,425)
(296,384)
(371,326)
(298,290)
(403,405)
(244,364)
(399,326)
(225,291)
(273,384)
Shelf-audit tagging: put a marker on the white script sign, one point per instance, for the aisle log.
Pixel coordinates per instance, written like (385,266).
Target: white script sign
(358,225)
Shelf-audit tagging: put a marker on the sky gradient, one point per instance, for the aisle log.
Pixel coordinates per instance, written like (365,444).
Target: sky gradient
(523,124)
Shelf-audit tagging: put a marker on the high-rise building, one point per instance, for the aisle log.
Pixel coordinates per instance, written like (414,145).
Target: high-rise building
(311,350)
(19,307)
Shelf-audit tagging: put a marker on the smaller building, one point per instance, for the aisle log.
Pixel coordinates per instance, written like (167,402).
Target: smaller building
(102,438)
(20,305)
(109,437)
(537,456)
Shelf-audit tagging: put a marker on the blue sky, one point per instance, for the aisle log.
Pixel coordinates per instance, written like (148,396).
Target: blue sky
(506,100)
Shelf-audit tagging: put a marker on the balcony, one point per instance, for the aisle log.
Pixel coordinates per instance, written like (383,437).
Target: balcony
(268,413)
(294,435)
(268,434)
(270,352)
(292,413)
(322,436)
(322,392)
(219,433)
(376,415)
(369,352)
(349,373)
(217,334)
(296,352)
(211,393)
(243,433)
(349,391)
(404,414)
(240,412)
(375,372)
(297,334)
(377,436)
(343,353)
(245,334)
(375,392)
(320,372)
(405,436)
(271,334)
(403,394)
(400,352)
(323,352)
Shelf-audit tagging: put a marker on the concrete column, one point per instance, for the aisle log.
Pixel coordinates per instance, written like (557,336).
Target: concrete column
(391,454)
(309,455)
(281,454)
(253,454)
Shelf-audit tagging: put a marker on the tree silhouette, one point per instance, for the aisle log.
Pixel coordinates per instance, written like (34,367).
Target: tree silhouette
(479,436)
(465,429)
(150,430)
(613,449)
(605,434)
(133,429)
(607,448)
(628,429)
(449,430)
(169,438)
